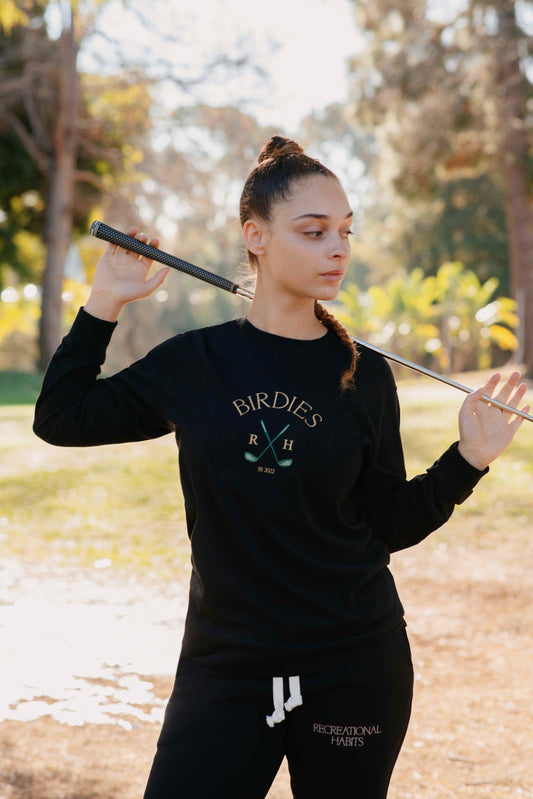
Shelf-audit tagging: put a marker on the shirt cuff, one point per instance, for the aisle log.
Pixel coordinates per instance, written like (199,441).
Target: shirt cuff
(456,476)
(89,336)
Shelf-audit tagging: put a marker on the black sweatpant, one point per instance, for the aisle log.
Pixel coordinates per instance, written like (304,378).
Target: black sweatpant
(343,740)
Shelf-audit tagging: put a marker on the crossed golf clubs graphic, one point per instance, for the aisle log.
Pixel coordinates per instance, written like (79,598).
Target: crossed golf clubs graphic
(254,458)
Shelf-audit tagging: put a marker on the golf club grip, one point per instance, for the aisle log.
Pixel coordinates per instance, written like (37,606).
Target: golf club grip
(113,236)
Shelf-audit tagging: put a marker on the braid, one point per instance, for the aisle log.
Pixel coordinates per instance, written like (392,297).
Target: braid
(333,324)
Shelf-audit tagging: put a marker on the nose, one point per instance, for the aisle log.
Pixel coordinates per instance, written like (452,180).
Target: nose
(340,248)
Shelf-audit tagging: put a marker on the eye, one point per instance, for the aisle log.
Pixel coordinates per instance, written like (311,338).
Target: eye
(347,234)
(314,234)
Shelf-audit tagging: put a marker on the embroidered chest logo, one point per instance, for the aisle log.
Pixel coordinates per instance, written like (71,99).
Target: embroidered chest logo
(285,444)
(270,448)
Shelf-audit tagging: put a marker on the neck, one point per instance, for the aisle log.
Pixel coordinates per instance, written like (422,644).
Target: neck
(293,318)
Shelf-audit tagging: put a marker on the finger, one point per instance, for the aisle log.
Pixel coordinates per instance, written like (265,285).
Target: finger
(112,249)
(474,398)
(511,400)
(491,384)
(478,400)
(517,421)
(505,392)
(512,393)
(132,231)
(152,243)
(518,396)
(508,387)
(144,238)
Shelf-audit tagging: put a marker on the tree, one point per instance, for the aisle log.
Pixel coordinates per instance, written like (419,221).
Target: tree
(46,105)
(62,155)
(40,105)
(463,221)
(447,91)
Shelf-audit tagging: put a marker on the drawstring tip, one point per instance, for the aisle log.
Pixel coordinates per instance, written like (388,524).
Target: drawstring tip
(292,702)
(275,718)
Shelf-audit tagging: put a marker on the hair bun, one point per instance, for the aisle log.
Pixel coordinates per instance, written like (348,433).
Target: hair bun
(278,146)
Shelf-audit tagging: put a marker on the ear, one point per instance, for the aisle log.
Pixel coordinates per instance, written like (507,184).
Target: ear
(255,235)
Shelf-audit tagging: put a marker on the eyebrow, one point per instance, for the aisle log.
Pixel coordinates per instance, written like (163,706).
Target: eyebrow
(319,216)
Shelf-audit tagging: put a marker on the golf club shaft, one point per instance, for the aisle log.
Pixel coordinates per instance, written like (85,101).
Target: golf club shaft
(449,382)
(116,237)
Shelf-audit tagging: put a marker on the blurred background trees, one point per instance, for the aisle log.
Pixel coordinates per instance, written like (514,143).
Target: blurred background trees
(445,87)
(433,146)
(450,321)
(65,138)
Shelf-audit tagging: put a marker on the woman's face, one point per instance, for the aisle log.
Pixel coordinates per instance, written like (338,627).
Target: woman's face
(306,246)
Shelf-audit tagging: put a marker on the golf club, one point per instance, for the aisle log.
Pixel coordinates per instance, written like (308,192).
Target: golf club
(113,236)
(254,458)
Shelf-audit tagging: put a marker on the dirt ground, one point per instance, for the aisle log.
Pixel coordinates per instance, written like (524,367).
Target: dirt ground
(469,614)
(468,595)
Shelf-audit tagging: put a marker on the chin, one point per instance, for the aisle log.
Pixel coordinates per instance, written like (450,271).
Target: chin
(328,294)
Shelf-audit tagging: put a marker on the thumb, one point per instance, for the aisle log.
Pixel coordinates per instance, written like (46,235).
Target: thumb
(156,280)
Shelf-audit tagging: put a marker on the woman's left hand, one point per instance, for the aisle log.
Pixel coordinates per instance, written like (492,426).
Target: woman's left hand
(485,431)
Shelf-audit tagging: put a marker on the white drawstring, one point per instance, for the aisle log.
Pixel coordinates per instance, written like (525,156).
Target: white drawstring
(278,714)
(294,700)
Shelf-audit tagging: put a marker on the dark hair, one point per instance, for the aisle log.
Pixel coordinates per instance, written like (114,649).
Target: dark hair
(280,163)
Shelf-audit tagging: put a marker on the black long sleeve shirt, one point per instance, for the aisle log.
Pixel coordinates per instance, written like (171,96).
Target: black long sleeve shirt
(295,493)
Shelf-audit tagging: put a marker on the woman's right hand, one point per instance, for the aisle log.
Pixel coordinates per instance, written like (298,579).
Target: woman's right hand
(122,276)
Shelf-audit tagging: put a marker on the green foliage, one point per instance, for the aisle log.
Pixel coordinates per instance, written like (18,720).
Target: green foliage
(448,320)
(464,222)
(22,190)
(467,324)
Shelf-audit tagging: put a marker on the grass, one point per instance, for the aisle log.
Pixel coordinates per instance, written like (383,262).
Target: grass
(78,506)
(126,509)
(123,503)
(19,388)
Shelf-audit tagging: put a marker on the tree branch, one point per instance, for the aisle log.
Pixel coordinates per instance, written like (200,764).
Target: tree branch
(34,119)
(85,176)
(42,159)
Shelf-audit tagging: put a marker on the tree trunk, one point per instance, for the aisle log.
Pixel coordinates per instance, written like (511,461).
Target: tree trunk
(514,168)
(58,227)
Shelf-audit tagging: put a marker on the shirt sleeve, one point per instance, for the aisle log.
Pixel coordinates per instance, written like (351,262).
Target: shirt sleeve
(76,407)
(403,512)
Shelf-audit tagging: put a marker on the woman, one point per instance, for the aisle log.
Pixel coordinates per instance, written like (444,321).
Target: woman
(295,493)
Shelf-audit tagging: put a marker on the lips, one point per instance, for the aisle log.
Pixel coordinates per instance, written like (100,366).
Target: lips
(335,274)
